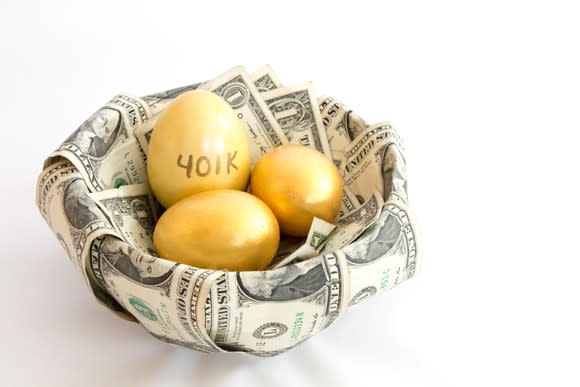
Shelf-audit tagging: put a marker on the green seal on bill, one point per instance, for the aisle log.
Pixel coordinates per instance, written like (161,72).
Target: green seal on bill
(142,308)
(119,182)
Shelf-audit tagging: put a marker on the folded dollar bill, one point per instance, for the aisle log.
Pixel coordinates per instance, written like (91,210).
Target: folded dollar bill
(93,194)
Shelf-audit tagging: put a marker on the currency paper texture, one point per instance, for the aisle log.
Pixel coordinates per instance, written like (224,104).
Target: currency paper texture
(295,108)
(265,79)
(93,194)
(238,90)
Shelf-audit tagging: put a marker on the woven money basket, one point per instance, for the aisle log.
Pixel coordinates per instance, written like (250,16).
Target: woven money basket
(93,195)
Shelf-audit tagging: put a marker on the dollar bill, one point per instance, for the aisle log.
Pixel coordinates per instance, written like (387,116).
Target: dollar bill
(350,203)
(167,298)
(265,79)
(70,213)
(384,255)
(323,102)
(394,173)
(250,311)
(295,108)
(99,290)
(351,226)
(341,126)
(336,116)
(335,120)
(144,132)
(319,231)
(104,148)
(368,160)
(288,246)
(133,211)
(236,87)
(53,173)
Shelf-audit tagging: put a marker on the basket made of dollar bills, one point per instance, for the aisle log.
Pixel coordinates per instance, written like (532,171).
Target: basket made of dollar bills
(93,193)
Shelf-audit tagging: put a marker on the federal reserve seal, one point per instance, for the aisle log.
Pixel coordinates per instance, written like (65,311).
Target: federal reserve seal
(143,309)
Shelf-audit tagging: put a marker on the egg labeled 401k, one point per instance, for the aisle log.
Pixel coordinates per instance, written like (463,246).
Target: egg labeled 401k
(198,144)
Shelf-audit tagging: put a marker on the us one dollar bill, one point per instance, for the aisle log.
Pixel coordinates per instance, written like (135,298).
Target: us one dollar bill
(384,255)
(262,129)
(350,203)
(373,162)
(265,79)
(64,202)
(104,148)
(334,112)
(342,126)
(268,312)
(133,211)
(353,225)
(167,298)
(296,110)
(319,231)
(93,193)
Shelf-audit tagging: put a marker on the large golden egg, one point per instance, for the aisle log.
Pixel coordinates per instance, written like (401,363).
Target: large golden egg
(198,144)
(298,183)
(222,229)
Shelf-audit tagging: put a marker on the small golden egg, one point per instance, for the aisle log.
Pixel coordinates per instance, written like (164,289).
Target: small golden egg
(198,144)
(298,183)
(221,229)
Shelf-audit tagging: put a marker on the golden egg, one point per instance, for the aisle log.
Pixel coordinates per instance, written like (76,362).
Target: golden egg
(221,229)
(198,144)
(298,183)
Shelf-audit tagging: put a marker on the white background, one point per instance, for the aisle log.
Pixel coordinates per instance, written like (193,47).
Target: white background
(486,96)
